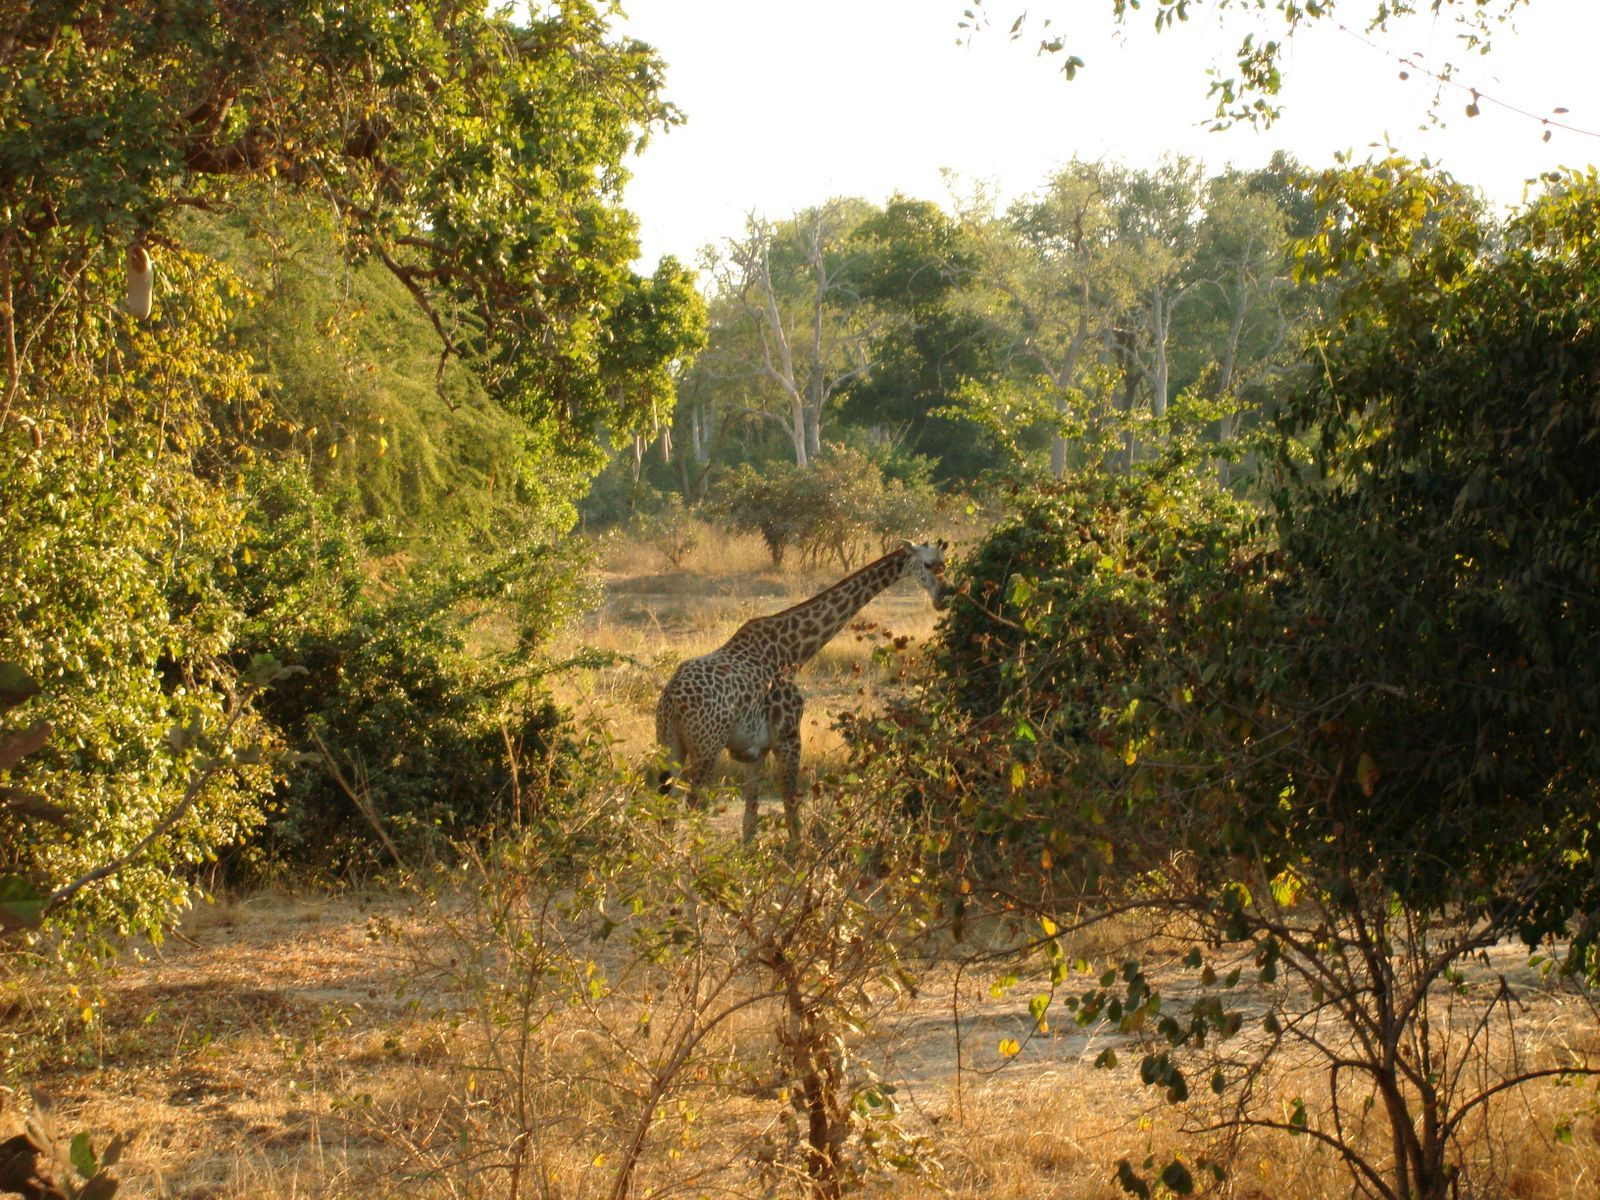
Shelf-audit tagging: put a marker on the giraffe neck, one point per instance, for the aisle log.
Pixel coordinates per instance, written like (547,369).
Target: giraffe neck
(797,633)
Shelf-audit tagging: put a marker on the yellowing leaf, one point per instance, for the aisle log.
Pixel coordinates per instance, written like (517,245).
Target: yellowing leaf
(1129,754)
(1009,1047)
(1019,776)
(1045,861)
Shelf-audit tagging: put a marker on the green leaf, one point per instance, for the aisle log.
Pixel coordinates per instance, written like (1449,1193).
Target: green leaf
(81,1155)
(1038,1006)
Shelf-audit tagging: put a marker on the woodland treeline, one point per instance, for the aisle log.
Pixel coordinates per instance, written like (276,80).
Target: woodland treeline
(1285,627)
(963,339)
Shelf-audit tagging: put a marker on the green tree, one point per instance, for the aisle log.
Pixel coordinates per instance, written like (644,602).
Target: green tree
(348,366)
(919,266)
(476,157)
(788,318)
(1348,734)
(1063,280)
(838,507)
(1240,326)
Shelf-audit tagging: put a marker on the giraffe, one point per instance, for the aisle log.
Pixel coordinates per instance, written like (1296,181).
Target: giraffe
(742,695)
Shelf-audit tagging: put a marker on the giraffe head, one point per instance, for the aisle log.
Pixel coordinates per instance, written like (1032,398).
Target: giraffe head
(925,564)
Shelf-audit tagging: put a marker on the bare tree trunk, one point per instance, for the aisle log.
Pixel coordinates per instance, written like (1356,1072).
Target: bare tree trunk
(1161,309)
(773,336)
(836,352)
(1060,380)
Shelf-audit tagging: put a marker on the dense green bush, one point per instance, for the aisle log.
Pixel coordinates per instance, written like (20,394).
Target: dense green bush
(671,529)
(1390,669)
(146,551)
(114,583)
(1064,661)
(426,728)
(1442,549)
(119,448)
(1349,739)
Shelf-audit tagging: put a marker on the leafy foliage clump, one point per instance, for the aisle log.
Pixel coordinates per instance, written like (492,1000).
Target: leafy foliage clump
(1064,662)
(393,702)
(1441,555)
(1394,655)
(1344,732)
(447,325)
(117,539)
(672,529)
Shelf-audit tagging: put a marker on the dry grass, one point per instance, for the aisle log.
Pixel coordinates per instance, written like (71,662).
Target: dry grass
(281,1052)
(284,1054)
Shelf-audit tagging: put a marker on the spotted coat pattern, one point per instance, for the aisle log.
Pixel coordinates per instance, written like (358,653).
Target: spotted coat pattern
(742,696)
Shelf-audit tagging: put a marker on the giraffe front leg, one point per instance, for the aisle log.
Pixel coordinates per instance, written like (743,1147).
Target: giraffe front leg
(751,788)
(697,773)
(786,707)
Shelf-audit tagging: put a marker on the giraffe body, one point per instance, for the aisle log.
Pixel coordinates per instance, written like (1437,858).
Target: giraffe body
(742,696)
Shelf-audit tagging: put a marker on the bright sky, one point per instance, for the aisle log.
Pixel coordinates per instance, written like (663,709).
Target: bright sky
(791,103)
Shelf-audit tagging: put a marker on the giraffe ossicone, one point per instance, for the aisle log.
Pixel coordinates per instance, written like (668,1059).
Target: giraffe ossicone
(742,696)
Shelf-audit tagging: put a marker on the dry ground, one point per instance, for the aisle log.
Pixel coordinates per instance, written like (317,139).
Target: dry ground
(282,1049)
(247,1059)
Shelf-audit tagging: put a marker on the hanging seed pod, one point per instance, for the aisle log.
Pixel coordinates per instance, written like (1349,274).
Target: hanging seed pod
(141,282)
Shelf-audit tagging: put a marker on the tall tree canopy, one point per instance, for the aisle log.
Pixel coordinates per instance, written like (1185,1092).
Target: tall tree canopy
(480,159)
